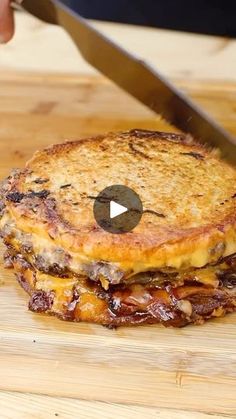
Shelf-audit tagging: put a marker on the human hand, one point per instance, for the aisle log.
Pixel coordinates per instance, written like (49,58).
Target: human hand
(6,21)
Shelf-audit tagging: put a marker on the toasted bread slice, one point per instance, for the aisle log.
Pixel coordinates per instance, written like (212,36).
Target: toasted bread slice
(191,194)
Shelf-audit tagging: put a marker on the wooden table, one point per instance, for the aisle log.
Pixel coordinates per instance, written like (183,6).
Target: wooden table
(50,368)
(47,48)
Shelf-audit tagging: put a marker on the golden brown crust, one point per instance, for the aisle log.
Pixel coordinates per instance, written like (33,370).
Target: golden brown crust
(189,185)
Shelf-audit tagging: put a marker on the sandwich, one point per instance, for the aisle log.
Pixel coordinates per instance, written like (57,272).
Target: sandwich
(176,267)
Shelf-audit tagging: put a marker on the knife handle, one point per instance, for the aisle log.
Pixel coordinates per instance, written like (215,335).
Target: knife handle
(42,9)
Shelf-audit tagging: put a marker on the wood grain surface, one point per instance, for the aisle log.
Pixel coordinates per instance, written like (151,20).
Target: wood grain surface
(175,54)
(50,368)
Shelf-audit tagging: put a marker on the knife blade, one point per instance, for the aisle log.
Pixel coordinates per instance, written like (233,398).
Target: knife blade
(136,77)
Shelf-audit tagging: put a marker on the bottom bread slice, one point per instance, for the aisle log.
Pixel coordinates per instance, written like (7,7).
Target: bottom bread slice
(170,303)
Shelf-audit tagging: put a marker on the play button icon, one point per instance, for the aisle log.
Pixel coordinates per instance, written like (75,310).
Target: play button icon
(117,209)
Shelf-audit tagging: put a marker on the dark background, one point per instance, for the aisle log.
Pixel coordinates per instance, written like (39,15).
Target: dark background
(209,17)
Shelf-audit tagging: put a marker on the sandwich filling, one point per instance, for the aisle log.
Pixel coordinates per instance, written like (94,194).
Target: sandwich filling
(173,298)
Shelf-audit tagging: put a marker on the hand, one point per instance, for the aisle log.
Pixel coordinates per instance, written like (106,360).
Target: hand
(6,21)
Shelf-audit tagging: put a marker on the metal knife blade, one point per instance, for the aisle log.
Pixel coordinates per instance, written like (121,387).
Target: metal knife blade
(136,77)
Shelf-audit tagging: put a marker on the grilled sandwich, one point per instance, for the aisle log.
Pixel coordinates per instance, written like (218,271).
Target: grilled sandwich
(178,265)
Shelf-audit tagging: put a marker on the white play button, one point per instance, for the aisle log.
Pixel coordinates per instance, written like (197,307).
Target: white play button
(116,209)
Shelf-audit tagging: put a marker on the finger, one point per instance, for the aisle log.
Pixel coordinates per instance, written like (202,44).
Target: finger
(6,21)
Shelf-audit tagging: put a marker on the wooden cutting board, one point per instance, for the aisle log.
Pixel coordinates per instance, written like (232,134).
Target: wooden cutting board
(50,368)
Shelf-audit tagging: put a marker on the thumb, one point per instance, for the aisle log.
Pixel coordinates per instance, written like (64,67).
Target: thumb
(6,21)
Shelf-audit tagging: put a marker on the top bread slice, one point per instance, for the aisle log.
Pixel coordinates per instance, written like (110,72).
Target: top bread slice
(190,192)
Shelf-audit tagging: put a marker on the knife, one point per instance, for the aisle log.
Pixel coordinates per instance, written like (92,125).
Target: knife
(136,77)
